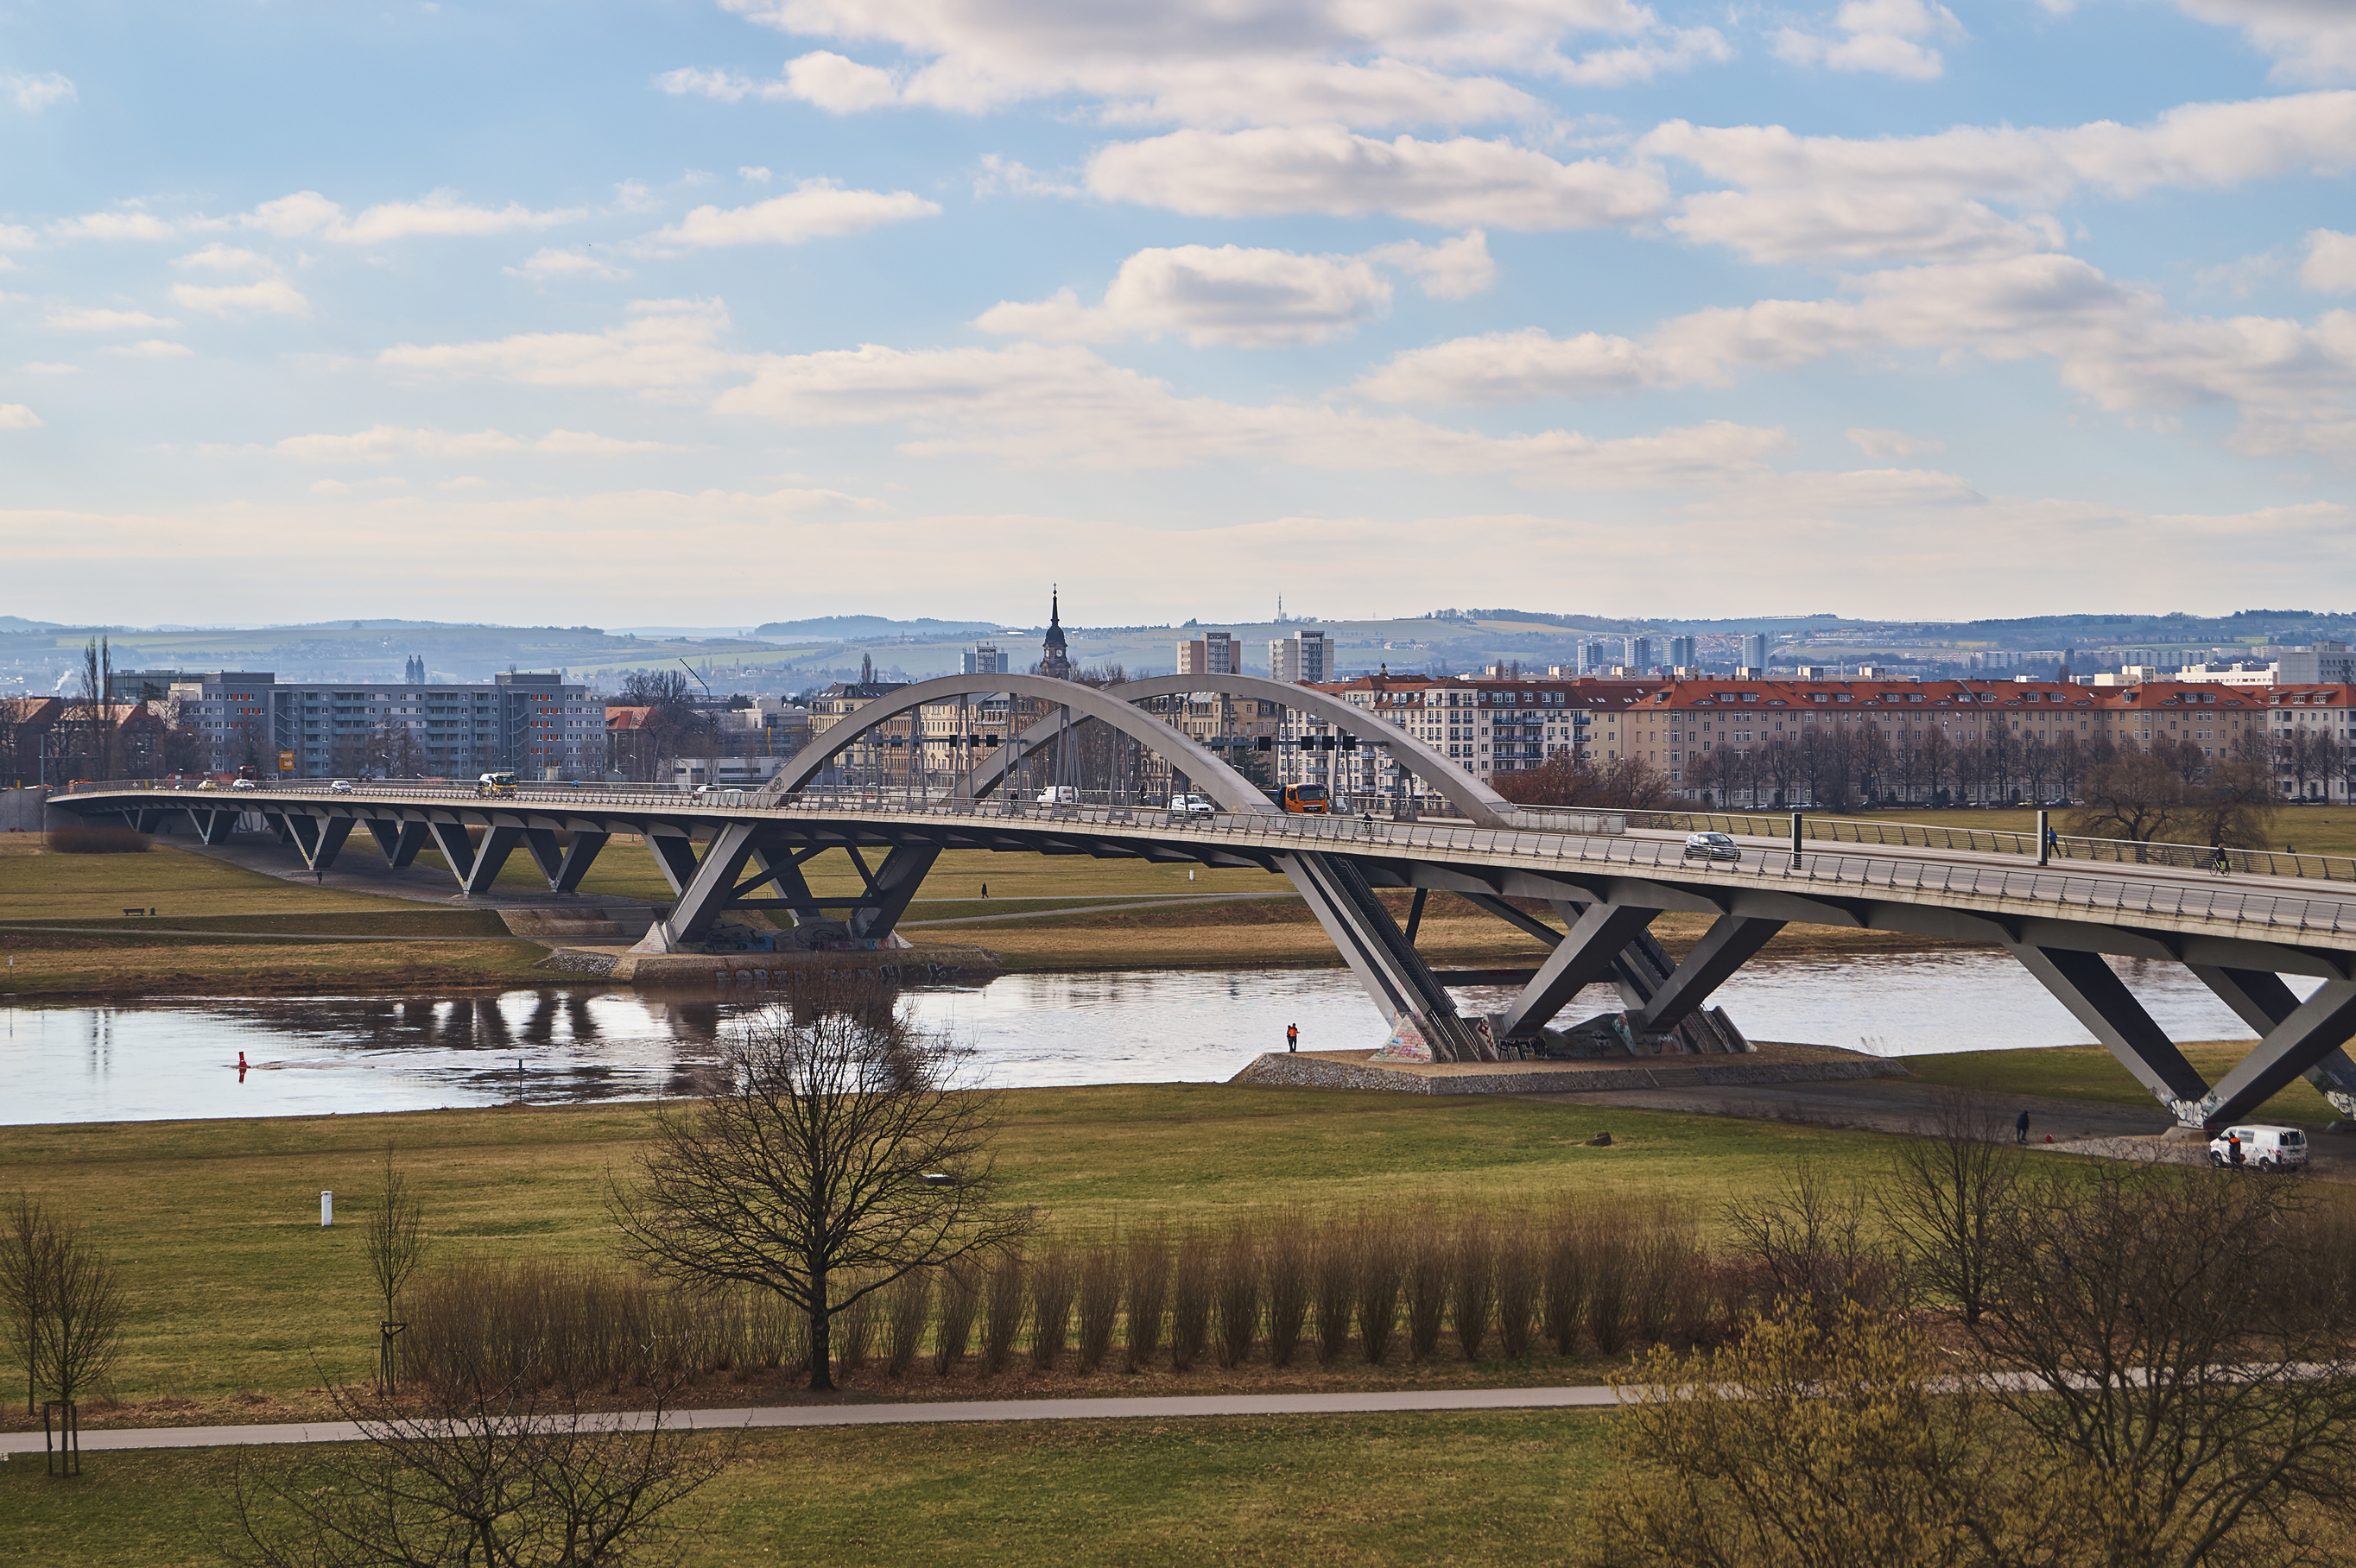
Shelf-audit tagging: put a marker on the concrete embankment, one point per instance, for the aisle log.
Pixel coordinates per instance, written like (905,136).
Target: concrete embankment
(1770,1064)
(935,963)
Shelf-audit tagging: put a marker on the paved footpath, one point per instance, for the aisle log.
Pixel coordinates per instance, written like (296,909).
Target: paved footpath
(1170,1406)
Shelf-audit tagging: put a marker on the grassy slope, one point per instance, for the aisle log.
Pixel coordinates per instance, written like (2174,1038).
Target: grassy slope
(235,1287)
(1490,1489)
(2091,1073)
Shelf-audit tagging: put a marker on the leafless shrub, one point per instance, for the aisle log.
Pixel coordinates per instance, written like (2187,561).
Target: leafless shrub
(1474,1292)
(960,1299)
(1190,1301)
(1002,1321)
(1051,1284)
(1609,1257)
(1520,1278)
(1239,1294)
(1563,1265)
(1949,1184)
(80,838)
(63,1302)
(1099,1304)
(1424,1247)
(1664,1262)
(1290,1278)
(908,1311)
(1334,1287)
(1810,1243)
(1146,1261)
(1379,1262)
(854,1330)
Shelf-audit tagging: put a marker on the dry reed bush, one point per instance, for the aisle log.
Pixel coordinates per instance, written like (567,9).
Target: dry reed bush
(1425,1248)
(77,838)
(1291,1271)
(854,1333)
(1813,1242)
(960,1299)
(1473,1287)
(1379,1263)
(1563,1265)
(907,1312)
(1002,1321)
(1146,1263)
(1191,1289)
(1608,1258)
(1239,1294)
(1051,1284)
(1333,1262)
(1520,1278)
(1099,1301)
(1664,1260)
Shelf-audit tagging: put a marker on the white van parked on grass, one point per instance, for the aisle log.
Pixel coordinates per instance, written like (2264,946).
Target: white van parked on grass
(2262,1147)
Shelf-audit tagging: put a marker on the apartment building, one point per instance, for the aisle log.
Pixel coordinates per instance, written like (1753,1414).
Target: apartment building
(536,724)
(2314,740)
(1213,653)
(1304,659)
(1486,726)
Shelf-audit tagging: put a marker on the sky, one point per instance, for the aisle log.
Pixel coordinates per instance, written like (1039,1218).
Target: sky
(710,312)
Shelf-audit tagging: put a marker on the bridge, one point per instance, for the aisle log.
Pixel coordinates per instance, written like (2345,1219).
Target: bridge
(2240,935)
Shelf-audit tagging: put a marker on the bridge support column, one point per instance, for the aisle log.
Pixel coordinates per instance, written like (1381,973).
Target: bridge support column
(213,826)
(1728,945)
(674,857)
(706,891)
(2082,983)
(457,846)
(491,856)
(401,841)
(563,866)
(1378,953)
(2267,1006)
(319,839)
(1587,955)
(890,887)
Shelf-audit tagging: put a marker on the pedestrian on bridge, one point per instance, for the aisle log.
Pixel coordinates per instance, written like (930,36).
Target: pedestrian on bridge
(2021,1129)
(1292,1037)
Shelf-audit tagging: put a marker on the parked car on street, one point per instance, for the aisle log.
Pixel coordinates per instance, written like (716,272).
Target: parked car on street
(1711,847)
(2261,1146)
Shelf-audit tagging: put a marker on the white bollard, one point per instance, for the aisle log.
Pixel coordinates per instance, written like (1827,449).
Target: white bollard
(326,1209)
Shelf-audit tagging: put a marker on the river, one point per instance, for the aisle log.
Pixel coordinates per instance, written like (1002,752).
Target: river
(178,1058)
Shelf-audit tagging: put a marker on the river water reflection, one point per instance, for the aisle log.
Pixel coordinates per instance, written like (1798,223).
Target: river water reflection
(143,1060)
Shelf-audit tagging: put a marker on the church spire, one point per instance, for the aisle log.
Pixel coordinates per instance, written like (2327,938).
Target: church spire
(1054,659)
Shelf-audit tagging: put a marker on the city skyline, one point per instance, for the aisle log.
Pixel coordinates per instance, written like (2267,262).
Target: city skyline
(494,315)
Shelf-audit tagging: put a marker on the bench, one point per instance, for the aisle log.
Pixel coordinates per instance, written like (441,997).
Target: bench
(139,912)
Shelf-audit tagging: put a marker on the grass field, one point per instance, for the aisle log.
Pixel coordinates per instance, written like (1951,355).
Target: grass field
(2091,1073)
(237,1290)
(1497,1490)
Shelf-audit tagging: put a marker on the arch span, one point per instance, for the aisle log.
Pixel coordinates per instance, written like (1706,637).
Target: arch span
(1228,788)
(1480,802)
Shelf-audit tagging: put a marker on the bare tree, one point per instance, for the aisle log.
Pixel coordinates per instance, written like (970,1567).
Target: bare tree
(1811,1243)
(394,1241)
(843,1156)
(1949,1185)
(1566,779)
(65,1307)
(2137,797)
(495,1480)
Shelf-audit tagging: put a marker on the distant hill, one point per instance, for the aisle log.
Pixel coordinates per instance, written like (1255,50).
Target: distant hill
(860,628)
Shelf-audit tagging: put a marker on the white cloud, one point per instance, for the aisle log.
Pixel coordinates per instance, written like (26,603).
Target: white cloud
(48,368)
(306,212)
(330,488)
(34,94)
(111,226)
(543,265)
(1030,403)
(94,318)
(2311,40)
(220,258)
(1215,62)
(17,416)
(2330,265)
(1001,174)
(1460,182)
(1834,199)
(1891,442)
(1242,298)
(816,209)
(149,348)
(1884,36)
(754,173)
(1452,270)
(2120,346)
(387,443)
(671,343)
(17,237)
(273,296)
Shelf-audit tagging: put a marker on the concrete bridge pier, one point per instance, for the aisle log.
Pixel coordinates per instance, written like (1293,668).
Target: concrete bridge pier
(1386,963)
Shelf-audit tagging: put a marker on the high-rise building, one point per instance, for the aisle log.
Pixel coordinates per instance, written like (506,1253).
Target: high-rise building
(1213,653)
(1681,652)
(1640,654)
(1596,654)
(1296,659)
(983,658)
(1754,650)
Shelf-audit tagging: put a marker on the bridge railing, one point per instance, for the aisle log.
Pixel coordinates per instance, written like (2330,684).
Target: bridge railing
(1995,841)
(2066,886)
